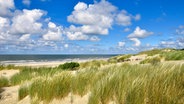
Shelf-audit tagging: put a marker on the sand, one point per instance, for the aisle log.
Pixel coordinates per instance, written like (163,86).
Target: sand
(53,63)
(8,73)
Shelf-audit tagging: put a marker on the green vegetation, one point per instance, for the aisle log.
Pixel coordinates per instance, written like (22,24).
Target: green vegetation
(23,92)
(29,73)
(93,64)
(46,89)
(153,60)
(3,82)
(168,54)
(120,58)
(132,84)
(153,52)
(69,66)
(176,55)
(2,67)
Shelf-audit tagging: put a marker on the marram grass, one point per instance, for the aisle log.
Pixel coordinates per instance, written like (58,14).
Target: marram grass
(122,84)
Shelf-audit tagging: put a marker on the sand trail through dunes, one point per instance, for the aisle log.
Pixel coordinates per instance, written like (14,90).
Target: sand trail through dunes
(9,95)
(8,73)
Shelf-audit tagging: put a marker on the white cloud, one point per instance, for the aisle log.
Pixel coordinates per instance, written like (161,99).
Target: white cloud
(137,42)
(51,25)
(167,42)
(26,2)
(180,42)
(26,22)
(94,38)
(54,33)
(25,37)
(180,30)
(126,30)
(80,6)
(139,33)
(124,18)
(6,6)
(121,44)
(76,36)
(137,17)
(4,22)
(94,19)
(94,14)
(66,45)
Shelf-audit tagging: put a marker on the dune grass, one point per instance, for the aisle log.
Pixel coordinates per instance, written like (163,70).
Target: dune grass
(176,55)
(10,66)
(152,60)
(23,92)
(162,84)
(121,84)
(93,64)
(120,58)
(4,82)
(47,88)
(28,73)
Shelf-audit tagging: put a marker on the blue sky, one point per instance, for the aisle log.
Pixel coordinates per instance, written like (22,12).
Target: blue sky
(90,26)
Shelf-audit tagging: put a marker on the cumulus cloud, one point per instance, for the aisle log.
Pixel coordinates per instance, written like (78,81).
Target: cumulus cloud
(26,22)
(66,45)
(180,42)
(180,30)
(25,37)
(137,17)
(26,2)
(139,33)
(76,36)
(94,39)
(97,18)
(137,42)
(54,32)
(4,23)
(6,6)
(121,44)
(126,30)
(124,18)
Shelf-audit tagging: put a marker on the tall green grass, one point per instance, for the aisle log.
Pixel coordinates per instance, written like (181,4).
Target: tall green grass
(4,82)
(29,73)
(23,92)
(47,88)
(122,84)
(10,66)
(153,60)
(162,84)
(176,55)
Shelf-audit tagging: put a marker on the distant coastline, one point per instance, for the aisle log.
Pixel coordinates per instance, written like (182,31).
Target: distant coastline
(23,59)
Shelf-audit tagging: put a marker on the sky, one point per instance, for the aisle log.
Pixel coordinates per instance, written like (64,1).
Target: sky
(90,26)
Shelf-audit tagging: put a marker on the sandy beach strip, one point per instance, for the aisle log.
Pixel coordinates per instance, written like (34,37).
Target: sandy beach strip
(51,63)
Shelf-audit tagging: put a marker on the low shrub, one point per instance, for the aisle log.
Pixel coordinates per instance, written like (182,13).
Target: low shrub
(71,66)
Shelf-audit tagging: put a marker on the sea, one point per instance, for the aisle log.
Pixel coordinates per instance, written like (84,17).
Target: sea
(22,58)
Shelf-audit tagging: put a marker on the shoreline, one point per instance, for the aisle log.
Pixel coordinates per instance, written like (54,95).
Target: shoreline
(47,63)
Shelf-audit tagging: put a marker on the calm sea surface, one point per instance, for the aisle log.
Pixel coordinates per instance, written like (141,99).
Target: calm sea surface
(45,58)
